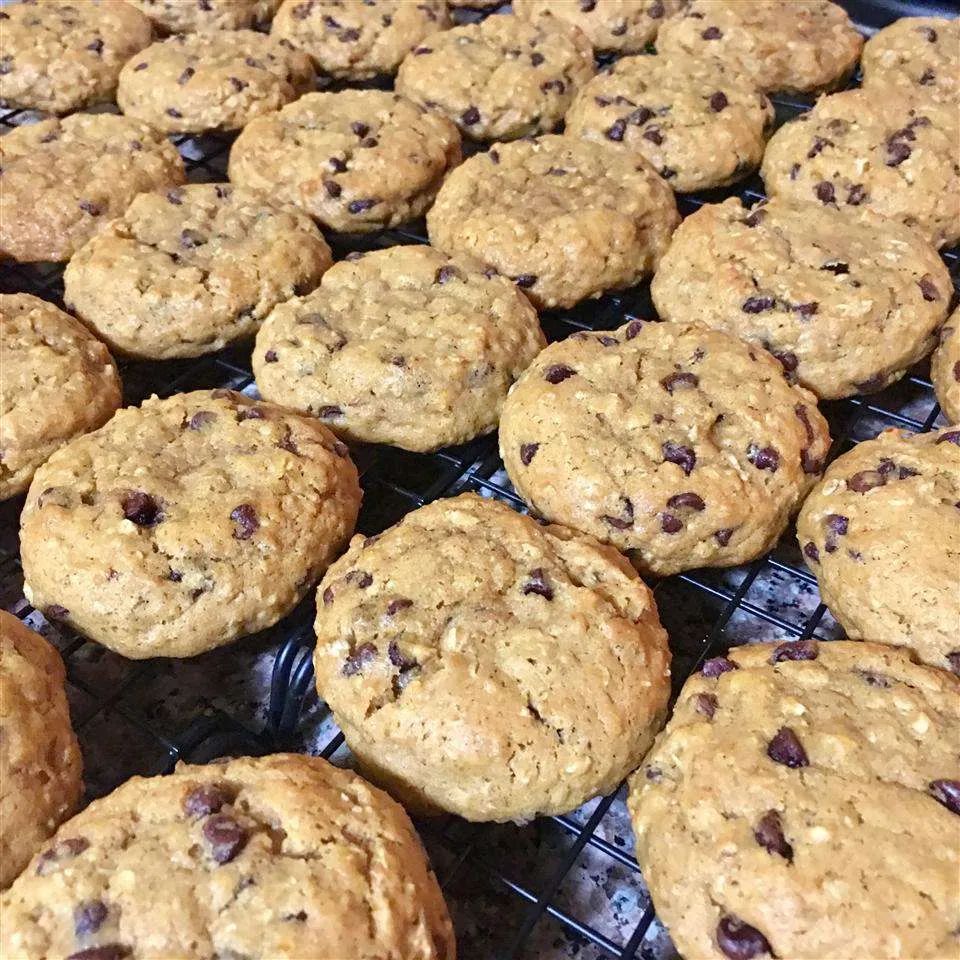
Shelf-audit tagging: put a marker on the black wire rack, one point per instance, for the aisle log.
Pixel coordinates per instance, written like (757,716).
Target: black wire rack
(563,886)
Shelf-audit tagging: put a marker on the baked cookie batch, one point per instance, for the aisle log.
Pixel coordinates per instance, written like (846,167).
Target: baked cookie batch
(481,662)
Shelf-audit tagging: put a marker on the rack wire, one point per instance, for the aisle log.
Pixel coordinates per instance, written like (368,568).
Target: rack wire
(564,886)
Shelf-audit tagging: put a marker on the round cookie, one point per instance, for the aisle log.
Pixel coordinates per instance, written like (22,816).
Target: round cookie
(40,765)
(186,523)
(697,123)
(845,299)
(58,382)
(501,78)
(566,219)
(615,26)
(189,83)
(59,57)
(64,180)
(401,346)
(803,46)
(283,856)
(880,532)
(945,369)
(192,16)
(800,803)
(921,54)
(485,665)
(354,40)
(879,149)
(357,160)
(679,445)
(188,271)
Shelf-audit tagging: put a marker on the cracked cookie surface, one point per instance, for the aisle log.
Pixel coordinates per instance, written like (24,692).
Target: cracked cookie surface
(697,122)
(59,57)
(356,40)
(283,856)
(945,368)
(187,522)
(402,346)
(878,148)
(58,382)
(679,445)
(40,765)
(501,78)
(846,300)
(566,219)
(189,83)
(880,533)
(64,180)
(357,160)
(483,664)
(189,270)
(802,802)
(191,16)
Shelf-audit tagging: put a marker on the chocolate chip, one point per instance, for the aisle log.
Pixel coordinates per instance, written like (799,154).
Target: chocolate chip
(360,206)
(617,130)
(654,135)
(191,239)
(526,280)
(139,67)
(329,412)
(928,288)
(670,524)
(897,152)
(718,101)
(953,659)
(674,381)
(946,792)
(55,612)
(238,84)
(716,666)
(557,373)
(856,195)
(358,659)
(806,309)
(527,452)
(332,188)
(173,112)
(396,656)
(763,458)
(795,650)
(587,5)
(549,85)
(88,917)
(337,165)
(328,596)
(755,218)
(929,33)
(106,951)
(712,33)
(691,501)
(757,304)
(398,604)
(203,800)
(536,58)
(788,361)
(739,941)
(247,521)
(682,456)
(140,508)
(769,834)
(175,197)
(624,520)
(787,749)
(952,436)
(640,116)
(866,480)
(633,328)
(723,536)
(811,552)
(420,51)
(705,703)
(824,192)
(62,850)
(225,837)
(349,36)
(927,77)
(470,116)
(538,584)
(88,206)
(794,170)
(837,267)
(186,75)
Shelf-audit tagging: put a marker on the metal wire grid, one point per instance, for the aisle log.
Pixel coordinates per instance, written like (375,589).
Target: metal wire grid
(121,728)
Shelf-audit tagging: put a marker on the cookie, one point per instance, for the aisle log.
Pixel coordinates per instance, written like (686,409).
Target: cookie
(40,765)
(191,16)
(64,180)
(880,533)
(58,382)
(921,54)
(357,160)
(501,78)
(803,802)
(189,83)
(696,122)
(679,445)
(281,856)
(611,26)
(845,299)
(876,148)
(354,40)
(401,346)
(945,369)
(60,57)
(186,523)
(189,270)
(566,219)
(804,46)
(470,657)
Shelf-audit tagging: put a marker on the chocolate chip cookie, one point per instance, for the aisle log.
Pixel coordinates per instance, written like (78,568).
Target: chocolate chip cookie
(189,83)
(40,766)
(59,57)
(679,445)
(803,46)
(191,16)
(357,160)
(566,219)
(803,802)
(880,532)
(188,270)
(845,299)
(921,54)
(186,523)
(356,40)
(945,368)
(402,346)
(58,382)
(482,664)
(501,78)
(699,124)
(615,26)
(876,148)
(64,180)
(283,856)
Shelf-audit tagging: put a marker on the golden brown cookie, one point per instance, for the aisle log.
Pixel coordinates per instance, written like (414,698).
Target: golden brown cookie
(945,368)
(192,16)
